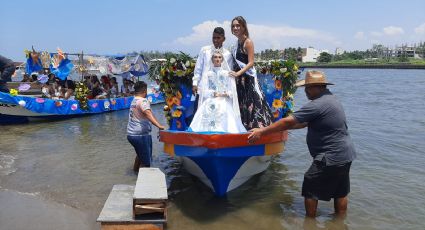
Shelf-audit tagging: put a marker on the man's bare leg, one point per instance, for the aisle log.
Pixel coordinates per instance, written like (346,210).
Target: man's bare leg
(137,164)
(310,207)
(340,205)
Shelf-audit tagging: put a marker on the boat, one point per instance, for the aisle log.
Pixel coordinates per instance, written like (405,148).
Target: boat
(222,161)
(22,109)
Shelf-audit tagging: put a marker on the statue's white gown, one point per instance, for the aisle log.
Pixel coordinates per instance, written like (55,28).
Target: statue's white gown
(217,114)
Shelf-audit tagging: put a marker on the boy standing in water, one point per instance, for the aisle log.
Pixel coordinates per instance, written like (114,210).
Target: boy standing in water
(139,126)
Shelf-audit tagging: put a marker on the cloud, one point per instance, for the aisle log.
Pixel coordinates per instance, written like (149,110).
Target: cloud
(264,36)
(420,29)
(393,30)
(201,33)
(360,35)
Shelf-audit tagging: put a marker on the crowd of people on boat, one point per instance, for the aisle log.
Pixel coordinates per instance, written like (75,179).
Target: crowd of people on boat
(105,87)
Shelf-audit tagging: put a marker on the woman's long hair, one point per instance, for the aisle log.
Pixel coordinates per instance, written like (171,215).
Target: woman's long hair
(242,22)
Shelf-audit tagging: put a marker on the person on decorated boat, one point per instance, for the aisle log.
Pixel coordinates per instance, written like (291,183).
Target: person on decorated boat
(87,81)
(125,88)
(96,89)
(255,112)
(105,85)
(59,89)
(131,86)
(114,87)
(34,77)
(26,78)
(47,90)
(218,103)
(70,89)
(204,60)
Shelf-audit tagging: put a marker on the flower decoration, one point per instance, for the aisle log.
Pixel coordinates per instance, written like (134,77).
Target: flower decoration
(179,95)
(278,84)
(176,101)
(277,103)
(81,92)
(171,74)
(177,113)
(169,101)
(58,103)
(285,74)
(13,92)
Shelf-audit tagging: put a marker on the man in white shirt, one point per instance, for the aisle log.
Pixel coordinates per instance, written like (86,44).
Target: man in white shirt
(204,58)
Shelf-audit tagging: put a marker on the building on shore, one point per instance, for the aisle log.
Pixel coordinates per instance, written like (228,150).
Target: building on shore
(311,54)
(339,51)
(396,52)
(405,51)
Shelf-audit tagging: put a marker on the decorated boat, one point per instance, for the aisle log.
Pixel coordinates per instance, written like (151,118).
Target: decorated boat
(222,161)
(21,109)
(25,100)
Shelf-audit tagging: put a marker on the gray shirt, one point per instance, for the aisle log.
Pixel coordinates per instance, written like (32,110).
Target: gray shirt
(138,124)
(328,139)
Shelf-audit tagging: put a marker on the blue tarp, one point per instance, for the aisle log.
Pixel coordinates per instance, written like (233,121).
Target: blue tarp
(63,70)
(65,107)
(33,67)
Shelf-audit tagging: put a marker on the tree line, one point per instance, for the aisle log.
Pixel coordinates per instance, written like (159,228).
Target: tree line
(377,51)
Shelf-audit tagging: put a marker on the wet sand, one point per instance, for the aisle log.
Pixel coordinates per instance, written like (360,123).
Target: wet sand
(29,211)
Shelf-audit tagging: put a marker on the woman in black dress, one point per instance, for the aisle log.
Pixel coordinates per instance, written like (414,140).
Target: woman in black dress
(255,112)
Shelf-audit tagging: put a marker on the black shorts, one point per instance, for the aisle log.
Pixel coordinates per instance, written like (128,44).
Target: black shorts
(326,182)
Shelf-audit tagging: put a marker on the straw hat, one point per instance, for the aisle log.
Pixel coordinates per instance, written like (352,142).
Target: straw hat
(313,77)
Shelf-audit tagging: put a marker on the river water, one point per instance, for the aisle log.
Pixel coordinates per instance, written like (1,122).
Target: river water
(76,162)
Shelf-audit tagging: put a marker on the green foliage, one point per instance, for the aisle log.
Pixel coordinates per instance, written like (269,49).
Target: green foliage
(268,54)
(176,70)
(324,57)
(81,92)
(170,74)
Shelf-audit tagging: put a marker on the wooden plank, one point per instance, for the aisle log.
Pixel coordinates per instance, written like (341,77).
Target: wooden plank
(118,208)
(150,186)
(151,208)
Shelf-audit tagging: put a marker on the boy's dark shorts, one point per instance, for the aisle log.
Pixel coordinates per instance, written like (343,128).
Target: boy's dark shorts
(326,182)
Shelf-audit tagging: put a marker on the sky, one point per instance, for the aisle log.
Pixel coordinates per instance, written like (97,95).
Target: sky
(122,26)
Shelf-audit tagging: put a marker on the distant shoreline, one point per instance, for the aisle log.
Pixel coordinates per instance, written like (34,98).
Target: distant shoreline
(364,66)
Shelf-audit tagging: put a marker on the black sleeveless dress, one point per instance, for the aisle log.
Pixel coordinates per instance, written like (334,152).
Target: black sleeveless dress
(255,112)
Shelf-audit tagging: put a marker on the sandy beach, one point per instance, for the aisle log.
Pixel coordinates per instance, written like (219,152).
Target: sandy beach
(29,211)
